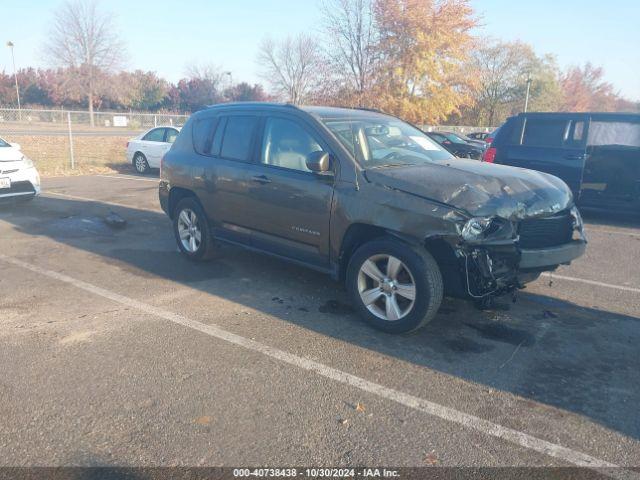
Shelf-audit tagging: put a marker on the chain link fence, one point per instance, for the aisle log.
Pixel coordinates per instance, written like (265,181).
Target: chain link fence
(63,142)
(126,120)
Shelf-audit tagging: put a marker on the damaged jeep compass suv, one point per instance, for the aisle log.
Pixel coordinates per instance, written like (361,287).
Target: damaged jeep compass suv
(368,199)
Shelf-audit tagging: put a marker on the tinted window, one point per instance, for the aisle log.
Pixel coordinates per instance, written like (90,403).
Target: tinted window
(156,135)
(202,135)
(172,134)
(238,135)
(545,132)
(3,143)
(286,144)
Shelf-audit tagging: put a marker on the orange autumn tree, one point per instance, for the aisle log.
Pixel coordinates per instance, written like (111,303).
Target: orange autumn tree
(423,45)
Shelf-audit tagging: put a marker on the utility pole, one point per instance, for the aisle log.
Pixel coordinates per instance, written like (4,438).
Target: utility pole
(15,75)
(526,100)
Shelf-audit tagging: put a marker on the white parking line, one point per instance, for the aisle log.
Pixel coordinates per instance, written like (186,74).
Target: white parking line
(591,282)
(612,232)
(446,413)
(129,177)
(115,204)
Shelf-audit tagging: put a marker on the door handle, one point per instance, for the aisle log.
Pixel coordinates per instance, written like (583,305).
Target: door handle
(261,179)
(574,157)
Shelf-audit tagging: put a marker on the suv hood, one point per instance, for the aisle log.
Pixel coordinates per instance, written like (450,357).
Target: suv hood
(481,189)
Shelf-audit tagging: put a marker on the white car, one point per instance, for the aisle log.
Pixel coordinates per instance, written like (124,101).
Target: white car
(146,150)
(19,179)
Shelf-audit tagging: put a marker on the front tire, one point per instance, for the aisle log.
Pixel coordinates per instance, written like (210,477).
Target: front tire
(394,287)
(191,229)
(140,164)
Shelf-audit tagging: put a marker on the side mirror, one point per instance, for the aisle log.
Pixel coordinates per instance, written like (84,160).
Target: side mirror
(319,162)
(15,145)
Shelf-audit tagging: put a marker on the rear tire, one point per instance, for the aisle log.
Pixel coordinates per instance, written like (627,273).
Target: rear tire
(140,164)
(409,292)
(192,231)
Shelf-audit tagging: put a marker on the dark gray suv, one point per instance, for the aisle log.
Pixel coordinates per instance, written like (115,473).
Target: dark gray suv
(368,199)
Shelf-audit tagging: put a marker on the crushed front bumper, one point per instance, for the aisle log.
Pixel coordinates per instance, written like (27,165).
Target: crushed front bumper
(542,258)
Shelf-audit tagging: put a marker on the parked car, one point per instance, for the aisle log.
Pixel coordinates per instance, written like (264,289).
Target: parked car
(478,136)
(19,179)
(369,200)
(456,145)
(596,154)
(145,151)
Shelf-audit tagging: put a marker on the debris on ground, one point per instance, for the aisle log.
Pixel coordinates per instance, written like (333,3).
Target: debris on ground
(115,221)
(204,420)
(431,458)
(360,407)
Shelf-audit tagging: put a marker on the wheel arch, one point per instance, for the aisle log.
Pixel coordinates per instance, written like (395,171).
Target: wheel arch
(360,233)
(175,195)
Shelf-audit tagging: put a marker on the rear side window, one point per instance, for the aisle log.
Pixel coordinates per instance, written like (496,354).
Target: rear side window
(203,132)
(238,137)
(156,135)
(545,132)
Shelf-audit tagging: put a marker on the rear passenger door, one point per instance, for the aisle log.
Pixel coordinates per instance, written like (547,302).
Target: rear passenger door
(226,147)
(554,144)
(153,146)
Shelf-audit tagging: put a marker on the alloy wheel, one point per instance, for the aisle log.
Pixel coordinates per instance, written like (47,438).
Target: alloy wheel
(189,230)
(386,287)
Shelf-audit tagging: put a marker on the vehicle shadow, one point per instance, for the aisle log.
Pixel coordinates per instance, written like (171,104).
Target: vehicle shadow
(127,169)
(542,349)
(609,218)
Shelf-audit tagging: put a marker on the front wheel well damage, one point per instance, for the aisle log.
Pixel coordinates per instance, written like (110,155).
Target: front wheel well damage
(358,234)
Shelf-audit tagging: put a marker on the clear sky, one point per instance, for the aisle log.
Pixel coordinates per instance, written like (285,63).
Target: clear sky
(166,36)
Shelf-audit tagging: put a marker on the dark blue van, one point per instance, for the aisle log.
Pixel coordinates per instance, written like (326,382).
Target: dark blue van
(596,154)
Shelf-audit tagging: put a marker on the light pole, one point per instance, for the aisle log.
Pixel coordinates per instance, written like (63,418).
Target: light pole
(15,75)
(526,100)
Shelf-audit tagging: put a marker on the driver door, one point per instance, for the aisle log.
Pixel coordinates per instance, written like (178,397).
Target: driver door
(291,206)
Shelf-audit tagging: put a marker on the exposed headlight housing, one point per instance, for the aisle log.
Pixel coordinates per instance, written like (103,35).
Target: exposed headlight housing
(578,225)
(28,163)
(475,228)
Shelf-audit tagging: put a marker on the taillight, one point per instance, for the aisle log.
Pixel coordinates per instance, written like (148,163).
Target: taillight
(489,140)
(490,155)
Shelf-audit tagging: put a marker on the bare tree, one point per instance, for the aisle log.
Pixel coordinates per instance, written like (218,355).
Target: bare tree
(351,39)
(292,66)
(84,40)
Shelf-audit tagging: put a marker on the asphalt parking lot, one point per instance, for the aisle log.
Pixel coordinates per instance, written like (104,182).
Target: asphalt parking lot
(114,350)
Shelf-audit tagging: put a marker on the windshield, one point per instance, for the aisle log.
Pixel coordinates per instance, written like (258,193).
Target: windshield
(3,143)
(381,142)
(455,138)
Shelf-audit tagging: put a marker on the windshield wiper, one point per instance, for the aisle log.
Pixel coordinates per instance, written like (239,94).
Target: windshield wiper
(386,165)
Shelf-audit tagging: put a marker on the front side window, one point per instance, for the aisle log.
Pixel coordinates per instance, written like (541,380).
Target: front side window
(619,134)
(386,142)
(286,144)
(156,135)
(3,143)
(238,136)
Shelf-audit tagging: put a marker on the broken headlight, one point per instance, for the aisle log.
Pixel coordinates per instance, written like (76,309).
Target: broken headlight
(475,228)
(577,219)
(578,225)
